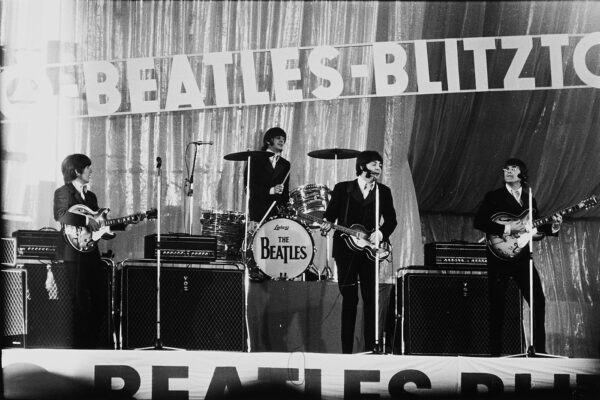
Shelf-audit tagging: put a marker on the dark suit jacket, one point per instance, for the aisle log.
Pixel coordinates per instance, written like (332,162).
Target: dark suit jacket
(262,178)
(348,207)
(498,201)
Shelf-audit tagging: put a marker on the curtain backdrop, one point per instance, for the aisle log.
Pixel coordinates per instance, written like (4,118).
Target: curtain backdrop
(441,152)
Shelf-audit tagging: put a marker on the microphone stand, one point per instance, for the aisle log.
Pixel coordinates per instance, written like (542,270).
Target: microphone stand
(531,348)
(190,181)
(158,341)
(190,191)
(377,348)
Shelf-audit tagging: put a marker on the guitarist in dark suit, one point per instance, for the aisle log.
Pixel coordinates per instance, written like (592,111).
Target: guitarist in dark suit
(85,271)
(353,202)
(267,176)
(513,199)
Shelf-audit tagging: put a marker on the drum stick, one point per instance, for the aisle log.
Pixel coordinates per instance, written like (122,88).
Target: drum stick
(265,216)
(274,202)
(287,175)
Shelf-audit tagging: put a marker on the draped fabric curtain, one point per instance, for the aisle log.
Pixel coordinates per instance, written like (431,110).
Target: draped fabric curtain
(441,152)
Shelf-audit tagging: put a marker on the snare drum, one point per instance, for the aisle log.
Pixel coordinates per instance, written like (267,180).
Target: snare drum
(282,248)
(310,199)
(228,227)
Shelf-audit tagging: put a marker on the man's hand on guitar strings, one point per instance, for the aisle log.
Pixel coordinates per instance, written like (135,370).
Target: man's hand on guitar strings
(93,224)
(376,237)
(556,222)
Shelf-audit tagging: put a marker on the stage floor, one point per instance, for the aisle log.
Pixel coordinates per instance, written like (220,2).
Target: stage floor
(153,374)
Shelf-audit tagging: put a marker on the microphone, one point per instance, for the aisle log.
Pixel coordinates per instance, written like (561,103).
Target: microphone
(523,178)
(368,173)
(201,142)
(158,162)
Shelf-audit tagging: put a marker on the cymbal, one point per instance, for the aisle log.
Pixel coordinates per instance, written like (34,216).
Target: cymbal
(243,155)
(330,154)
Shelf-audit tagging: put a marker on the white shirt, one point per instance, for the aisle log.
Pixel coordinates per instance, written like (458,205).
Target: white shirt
(80,187)
(516,193)
(274,158)
(365,186)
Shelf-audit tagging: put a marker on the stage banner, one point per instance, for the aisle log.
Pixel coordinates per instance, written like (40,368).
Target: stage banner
(51,374)
(298,74)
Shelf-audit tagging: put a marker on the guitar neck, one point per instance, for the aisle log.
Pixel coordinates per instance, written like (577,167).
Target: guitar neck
(348,231)
(123,220)
(563,212)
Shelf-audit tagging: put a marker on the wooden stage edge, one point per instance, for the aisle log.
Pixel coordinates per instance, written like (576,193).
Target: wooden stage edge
(163,374)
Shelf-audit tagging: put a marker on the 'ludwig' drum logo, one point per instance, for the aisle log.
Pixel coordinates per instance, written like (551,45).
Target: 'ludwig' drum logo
(279,227)
(281,252)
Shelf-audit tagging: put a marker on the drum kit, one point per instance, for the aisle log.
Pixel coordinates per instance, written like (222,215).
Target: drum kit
(283,246)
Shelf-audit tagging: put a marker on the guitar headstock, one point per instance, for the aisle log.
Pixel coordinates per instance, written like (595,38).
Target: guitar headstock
(590,202)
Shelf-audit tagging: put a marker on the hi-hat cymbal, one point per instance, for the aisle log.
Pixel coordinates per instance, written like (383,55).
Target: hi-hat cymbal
(243,155)
(335,153)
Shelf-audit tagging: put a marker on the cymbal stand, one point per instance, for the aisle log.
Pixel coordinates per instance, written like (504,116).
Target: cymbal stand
(327,270)
(247,210)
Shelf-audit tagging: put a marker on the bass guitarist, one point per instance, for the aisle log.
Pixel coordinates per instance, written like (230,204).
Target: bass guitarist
(86,281)
(353,202)
(512,199)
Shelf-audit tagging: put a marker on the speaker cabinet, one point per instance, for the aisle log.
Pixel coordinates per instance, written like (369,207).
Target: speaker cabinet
(13,306)
(37,301)
(202,307)
(447,313)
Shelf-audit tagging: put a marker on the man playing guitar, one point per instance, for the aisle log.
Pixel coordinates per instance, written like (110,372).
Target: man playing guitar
(512,199)
(85,270)
(353,203)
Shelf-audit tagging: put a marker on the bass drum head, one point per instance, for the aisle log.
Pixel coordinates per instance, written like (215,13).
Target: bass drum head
(282,248)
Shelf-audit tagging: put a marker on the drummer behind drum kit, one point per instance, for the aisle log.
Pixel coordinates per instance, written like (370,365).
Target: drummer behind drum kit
(282,247)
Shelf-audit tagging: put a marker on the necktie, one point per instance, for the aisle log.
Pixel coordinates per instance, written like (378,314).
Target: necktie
(366,190)
(275,159)
(83,191)
(517,196)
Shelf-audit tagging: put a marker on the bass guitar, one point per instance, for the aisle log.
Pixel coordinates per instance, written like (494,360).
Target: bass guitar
(356,238)
(82,239)
(509,247)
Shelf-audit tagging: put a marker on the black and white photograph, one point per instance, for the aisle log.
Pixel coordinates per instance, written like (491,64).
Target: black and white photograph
(250,199)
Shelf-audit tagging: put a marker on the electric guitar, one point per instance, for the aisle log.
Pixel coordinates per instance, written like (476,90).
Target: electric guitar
(82,239)
(356,238)
(509,247)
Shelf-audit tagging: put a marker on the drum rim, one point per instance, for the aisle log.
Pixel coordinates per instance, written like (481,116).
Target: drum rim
(316,185)
(222,212)
(299,222)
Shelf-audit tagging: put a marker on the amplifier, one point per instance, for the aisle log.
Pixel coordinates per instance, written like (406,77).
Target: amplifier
(444,312)
(8,251)
(203,307)
(192,249)
(37,245)
(456,255)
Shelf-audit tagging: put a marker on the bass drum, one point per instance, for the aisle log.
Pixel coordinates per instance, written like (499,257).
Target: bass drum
(283,248)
